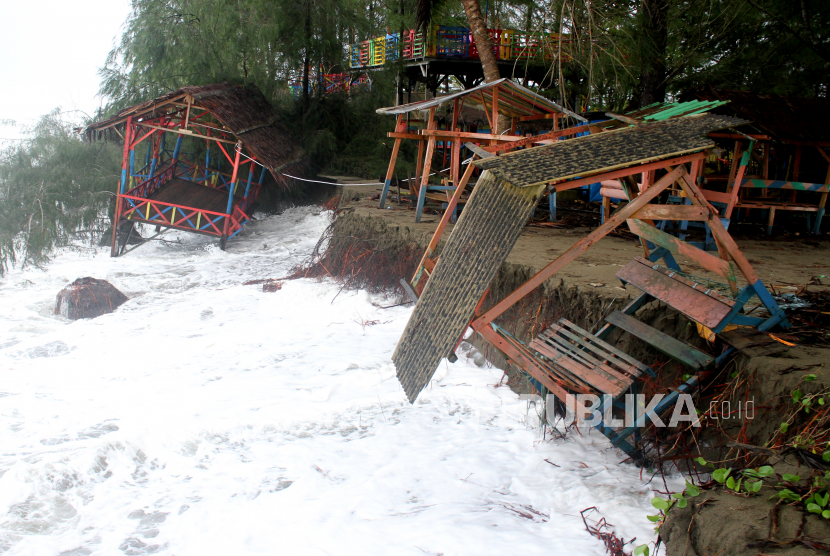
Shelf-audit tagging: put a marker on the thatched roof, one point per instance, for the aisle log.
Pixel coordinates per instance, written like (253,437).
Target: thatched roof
(610,150)
(244,111)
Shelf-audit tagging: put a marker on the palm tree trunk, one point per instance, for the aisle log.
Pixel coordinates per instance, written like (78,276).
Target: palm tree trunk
(654,16)
(482,38)
(485,51)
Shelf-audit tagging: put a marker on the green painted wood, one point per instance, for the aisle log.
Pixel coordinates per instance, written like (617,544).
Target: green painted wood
(681,248)
(680,351)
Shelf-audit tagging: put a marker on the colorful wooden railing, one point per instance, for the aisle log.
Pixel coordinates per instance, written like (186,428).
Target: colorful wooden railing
(453,42)
(140,209)
(136,206)
(149,186)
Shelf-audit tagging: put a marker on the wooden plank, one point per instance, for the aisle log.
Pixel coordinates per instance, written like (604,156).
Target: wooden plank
(525,361)
(537,138)
(673,212)
(680,351)
(635,167)
(677,247)
(781,184)
(558,337)
(721,235)
(624,356)
(443,133)
(587,374)
(478,150)
(716,196)
(690,301)
(569,340)
(570,372)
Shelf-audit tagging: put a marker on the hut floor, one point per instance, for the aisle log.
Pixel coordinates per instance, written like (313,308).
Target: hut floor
(188,194)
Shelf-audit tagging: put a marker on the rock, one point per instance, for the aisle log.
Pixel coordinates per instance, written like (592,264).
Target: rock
(87,298)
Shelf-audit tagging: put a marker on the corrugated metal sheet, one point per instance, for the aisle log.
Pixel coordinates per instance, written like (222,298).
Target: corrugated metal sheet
(609,150)
(514,101)
(479,244)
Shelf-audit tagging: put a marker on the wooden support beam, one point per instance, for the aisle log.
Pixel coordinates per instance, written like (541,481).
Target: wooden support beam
(427,165)
(581,246)
(445,218)
(392,160)
(631,170)
(521,142)
(495,119)
(481,152)
(486,112)
(674,212)
(681,248)
(447,134)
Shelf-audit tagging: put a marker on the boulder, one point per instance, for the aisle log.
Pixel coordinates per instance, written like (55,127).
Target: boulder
(87,298)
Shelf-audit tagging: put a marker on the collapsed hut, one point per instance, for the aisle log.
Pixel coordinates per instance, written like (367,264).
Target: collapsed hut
(566,359)
(236,136)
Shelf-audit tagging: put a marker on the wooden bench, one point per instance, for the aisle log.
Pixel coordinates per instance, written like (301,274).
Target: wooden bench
(698,302)
(580,357)
(677,350)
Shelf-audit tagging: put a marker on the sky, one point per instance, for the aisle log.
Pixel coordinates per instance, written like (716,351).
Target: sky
(50,54)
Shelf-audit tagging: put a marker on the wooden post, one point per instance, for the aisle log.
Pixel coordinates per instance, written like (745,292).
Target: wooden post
(796,170)
(207,158)
(231,188)
(156,139)
(419,164)
(487,113)
(495,118)
(436,236)
(123,184)
(797,163)
(427,166)
(176,150)
(733,168)
(250,179)
(823,200)
(391,170)
(770,220)
(739,176)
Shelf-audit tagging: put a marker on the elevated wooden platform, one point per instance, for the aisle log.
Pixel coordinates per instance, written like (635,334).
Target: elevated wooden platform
(185,193)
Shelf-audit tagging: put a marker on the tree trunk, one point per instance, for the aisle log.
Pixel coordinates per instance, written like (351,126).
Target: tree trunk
(654,16)
(482,38)
(306,58)
(485,50)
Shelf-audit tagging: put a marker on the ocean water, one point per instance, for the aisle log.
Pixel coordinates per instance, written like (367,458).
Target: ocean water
(208,417)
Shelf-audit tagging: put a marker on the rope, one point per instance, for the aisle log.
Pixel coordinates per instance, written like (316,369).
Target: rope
(239,150)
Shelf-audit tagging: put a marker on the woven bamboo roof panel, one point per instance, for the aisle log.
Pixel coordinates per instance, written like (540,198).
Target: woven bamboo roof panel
(606,151)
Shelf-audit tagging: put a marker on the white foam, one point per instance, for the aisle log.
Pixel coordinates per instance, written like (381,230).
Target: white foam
(209,417)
